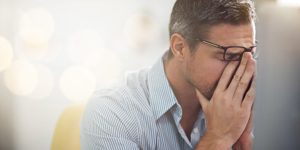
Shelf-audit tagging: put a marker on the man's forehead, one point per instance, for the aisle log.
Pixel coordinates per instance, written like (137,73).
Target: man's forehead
(227,34)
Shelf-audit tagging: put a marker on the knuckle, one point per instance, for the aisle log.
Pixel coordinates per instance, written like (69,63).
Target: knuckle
(237,77)
(251,94)
(254,84)
(243,84)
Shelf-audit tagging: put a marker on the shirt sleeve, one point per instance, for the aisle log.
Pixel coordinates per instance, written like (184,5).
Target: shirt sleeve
(107,126)
(90,142)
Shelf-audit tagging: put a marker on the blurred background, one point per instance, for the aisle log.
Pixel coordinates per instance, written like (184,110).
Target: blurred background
(55,53)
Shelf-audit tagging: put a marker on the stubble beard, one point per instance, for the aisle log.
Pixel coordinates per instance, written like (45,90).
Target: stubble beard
(208,92)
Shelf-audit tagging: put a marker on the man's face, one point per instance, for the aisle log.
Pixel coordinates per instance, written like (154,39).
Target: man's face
(204,67)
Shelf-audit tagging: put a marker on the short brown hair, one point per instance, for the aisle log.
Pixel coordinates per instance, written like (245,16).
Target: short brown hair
(193,18)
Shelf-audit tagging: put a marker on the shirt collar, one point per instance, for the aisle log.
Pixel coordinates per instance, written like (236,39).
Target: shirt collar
(161,96)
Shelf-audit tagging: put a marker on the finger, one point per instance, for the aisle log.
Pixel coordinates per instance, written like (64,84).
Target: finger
(202,99)
(245,82)
(238,75)
(249,98)
(251,119)
(226,76)
(249,126)
(253,85)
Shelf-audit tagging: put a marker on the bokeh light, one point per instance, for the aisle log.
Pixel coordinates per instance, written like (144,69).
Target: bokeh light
(140,31)
(77,83)
(6,53)
(36,27)
(21,77)
(45,83)
(87,48)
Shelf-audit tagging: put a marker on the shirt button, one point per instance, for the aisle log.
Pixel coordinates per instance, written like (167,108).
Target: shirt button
(196,130)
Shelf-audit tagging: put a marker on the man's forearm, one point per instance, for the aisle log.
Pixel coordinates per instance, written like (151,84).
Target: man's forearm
(210,143)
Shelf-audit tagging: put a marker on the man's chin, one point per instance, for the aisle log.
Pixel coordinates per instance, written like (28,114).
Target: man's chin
(208,93)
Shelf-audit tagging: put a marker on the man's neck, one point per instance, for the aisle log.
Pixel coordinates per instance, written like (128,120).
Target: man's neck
(184,92)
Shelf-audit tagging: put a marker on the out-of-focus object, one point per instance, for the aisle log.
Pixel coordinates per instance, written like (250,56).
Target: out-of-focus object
(21,77)
(36,27)
(140,31)
(77,83)
(67,133)
(6,53)
(87,47)
(45,83)
(277,120)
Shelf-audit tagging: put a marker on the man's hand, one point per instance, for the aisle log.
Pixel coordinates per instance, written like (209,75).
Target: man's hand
(246,140)
(228,112)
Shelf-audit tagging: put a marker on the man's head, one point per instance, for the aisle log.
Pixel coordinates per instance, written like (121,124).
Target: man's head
(193,18)
(224,22)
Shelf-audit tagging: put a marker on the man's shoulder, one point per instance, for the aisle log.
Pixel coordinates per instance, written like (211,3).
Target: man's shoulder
(123,108)
(130,96)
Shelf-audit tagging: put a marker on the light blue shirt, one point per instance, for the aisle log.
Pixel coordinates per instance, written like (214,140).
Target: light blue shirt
(141,114)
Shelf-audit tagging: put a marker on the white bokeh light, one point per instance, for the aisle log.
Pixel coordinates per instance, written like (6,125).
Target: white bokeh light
(36,27)
(77,83)
(21,77)
(45,83)
(140,31)
(6,53)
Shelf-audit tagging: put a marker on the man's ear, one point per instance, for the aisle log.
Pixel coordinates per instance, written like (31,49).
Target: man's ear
(179,46)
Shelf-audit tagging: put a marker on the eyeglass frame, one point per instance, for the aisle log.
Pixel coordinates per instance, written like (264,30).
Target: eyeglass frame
(227,47)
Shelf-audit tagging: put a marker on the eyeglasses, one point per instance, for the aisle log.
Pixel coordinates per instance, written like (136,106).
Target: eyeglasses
(233,53)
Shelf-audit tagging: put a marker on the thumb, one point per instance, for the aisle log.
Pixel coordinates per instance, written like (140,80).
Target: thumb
(202,99)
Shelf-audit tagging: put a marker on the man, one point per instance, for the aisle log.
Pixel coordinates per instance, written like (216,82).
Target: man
(198,96)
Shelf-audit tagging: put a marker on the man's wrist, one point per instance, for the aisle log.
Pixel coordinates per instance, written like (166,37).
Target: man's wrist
(244,144)
(209,142)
